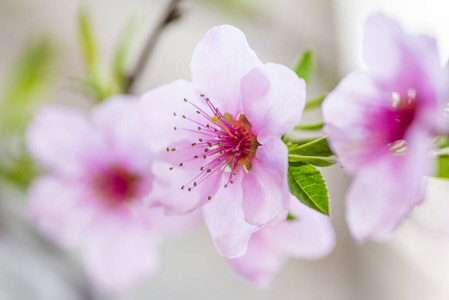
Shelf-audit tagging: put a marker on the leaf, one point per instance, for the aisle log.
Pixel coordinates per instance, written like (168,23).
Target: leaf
(291,217)
(442,167)
(29,78)
(87,42)
(316,126)
(20,172)
(307,184)
(315,103)
(305,65)
(119,65)
(315,152)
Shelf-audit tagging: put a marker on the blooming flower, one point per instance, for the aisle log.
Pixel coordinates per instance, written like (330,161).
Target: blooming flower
(99,168)
(308,236)
(221,136)
(379,123)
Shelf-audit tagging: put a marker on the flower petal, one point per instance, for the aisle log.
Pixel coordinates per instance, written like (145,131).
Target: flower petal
(60,138)
(59,211)
(224,218)
(273,100)
(123,255)
(265,188)
(310,236)
(119,120)
(385,191)
(219,62)
(159,107)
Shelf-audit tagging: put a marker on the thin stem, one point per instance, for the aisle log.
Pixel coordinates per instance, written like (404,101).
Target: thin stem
(172,13)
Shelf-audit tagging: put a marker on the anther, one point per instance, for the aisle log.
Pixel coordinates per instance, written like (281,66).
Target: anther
(189,189)
(174,128)
(208,170)
(173,149)
(198,112)
(185,100)
(183,116)
(193,144)
(171,168)
(196,156)
(181,164)
(210,144)
(174,114)
(209,198)
(201,95)
(194,184)
(199,128)
(182,187)
(204,156)
(202,168)
(168,148)
(200,140)
(206,150)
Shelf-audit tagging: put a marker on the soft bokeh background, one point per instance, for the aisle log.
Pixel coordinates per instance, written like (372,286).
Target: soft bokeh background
(413,264)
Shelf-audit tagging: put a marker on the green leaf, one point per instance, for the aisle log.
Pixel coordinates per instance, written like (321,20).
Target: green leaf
(87,42)
(315,103)
(442,167)
(307,184)
(315,152)
(291,217)
(315,147)
(29,78)
(305,65)
(316,126)
(119,65)
(20,172)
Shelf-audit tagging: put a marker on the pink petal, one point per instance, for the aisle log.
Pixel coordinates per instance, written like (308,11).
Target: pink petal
(224,218)
(265,188)
(273,100)
(345,114)
(60,211)
(122,256)
(119,120)
(158,108)
(384,192)
(260,263)
(219,62)
(310,236)
(60,138)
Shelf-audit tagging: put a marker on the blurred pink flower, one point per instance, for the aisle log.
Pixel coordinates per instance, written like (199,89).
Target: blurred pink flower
(309,236)
(379,123)
(99,169)
(222,135)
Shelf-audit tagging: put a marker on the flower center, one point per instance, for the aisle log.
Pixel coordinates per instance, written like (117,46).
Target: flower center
(400,116)
(116,185)
(224,143)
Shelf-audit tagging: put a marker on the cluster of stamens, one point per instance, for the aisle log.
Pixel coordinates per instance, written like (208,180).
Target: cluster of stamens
(223,143)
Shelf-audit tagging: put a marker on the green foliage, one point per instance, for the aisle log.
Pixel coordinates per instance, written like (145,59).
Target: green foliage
(19,172)
(291,217)
(442,167)
(29,78)
(307,184)
(315,152)
(315,103)
(99,84)
(308,127)
(305,66)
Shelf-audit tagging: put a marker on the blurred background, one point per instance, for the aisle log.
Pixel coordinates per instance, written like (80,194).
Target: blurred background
(412,264)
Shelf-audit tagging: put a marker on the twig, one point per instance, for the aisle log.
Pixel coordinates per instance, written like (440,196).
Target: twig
(172,13)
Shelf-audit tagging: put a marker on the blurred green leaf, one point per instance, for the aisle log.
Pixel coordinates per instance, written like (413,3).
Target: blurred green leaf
(30,76)
(119,66)
(316,126)
(291,217)
(20,172)
(442,167)
(307,184)
(305,66)
(87,42)
(315,103)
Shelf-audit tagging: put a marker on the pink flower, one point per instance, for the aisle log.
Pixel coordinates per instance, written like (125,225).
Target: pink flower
(221,136)
(380,122)
(99,168)
(309,236)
